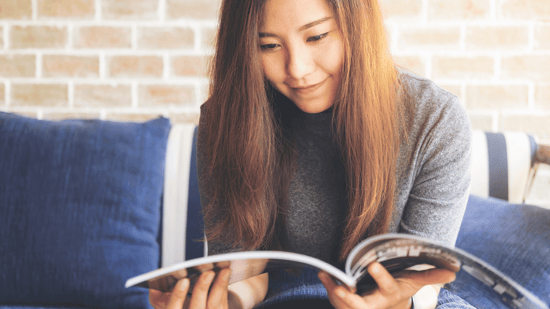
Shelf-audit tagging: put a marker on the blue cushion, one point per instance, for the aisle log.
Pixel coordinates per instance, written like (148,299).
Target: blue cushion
(515,239)
(79,210)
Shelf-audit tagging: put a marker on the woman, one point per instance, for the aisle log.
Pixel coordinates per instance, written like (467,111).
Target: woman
(312,141)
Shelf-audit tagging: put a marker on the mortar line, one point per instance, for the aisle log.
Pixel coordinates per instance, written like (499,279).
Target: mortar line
(493,10)
(97,10)
(70,94)
(134,95)
(34,5)
(162,11)
(424,14)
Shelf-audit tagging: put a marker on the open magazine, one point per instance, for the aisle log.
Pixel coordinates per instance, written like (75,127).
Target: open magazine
(395,252)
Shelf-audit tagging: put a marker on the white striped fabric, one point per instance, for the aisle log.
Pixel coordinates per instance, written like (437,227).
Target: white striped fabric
(519,165)
(480,165)
(501,165)
(176,184)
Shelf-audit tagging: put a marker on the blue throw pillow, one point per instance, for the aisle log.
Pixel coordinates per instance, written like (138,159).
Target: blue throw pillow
(79,210)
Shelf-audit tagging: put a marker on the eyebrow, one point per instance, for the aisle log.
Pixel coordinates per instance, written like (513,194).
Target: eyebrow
(302,28)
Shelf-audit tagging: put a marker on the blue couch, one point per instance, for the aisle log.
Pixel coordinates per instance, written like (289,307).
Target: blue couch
(87,204)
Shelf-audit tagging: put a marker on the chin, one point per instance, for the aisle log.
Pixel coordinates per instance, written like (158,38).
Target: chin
(313,108)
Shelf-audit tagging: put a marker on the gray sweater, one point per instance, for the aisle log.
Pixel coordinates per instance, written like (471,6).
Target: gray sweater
(433,175)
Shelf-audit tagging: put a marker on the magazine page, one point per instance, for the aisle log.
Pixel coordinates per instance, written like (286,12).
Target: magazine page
(397,252)
(243,265)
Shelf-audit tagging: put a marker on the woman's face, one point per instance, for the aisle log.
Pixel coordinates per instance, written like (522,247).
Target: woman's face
(302,51)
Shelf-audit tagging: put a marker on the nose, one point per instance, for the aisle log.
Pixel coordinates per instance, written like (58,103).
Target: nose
(300,63)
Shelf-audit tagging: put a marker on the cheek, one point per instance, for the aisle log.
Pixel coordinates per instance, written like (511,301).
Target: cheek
(333,55)
(272,69)
(330,58)
(336,60)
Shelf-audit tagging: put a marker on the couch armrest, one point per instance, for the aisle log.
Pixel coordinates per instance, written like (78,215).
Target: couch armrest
(182,225)
(502,164)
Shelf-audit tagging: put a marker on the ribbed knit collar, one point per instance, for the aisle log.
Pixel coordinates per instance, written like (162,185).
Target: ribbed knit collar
(319,124)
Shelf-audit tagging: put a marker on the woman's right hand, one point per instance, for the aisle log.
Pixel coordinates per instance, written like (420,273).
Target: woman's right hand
(203,297)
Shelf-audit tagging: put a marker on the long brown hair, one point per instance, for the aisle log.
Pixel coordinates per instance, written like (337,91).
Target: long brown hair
(249,151)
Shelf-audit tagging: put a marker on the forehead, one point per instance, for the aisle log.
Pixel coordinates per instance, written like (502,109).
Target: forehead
(292,14)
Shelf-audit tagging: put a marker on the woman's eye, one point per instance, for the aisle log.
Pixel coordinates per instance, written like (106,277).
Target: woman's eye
(268,46)
(317,37)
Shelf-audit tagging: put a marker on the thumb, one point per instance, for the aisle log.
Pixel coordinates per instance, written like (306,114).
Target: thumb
(426,277)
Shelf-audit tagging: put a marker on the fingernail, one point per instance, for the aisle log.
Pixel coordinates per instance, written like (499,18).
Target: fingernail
(206,278)
(183,284)
(375,269)
(211,276)
(340,293)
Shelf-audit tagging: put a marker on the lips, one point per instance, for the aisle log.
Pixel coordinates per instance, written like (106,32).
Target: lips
(307,89)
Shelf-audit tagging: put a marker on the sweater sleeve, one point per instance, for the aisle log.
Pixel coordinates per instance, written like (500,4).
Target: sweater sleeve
(441,167)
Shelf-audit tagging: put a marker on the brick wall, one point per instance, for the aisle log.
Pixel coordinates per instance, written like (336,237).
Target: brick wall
(136,59)
(108,59)
(493,54)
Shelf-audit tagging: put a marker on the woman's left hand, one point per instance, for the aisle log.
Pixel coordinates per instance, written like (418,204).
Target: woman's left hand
(392,292)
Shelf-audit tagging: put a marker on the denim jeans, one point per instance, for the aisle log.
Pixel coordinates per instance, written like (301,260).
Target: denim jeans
(306,291)
(515,239)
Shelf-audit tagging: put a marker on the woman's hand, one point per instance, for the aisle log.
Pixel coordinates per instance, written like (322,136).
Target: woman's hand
(203,297)
(392,292)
